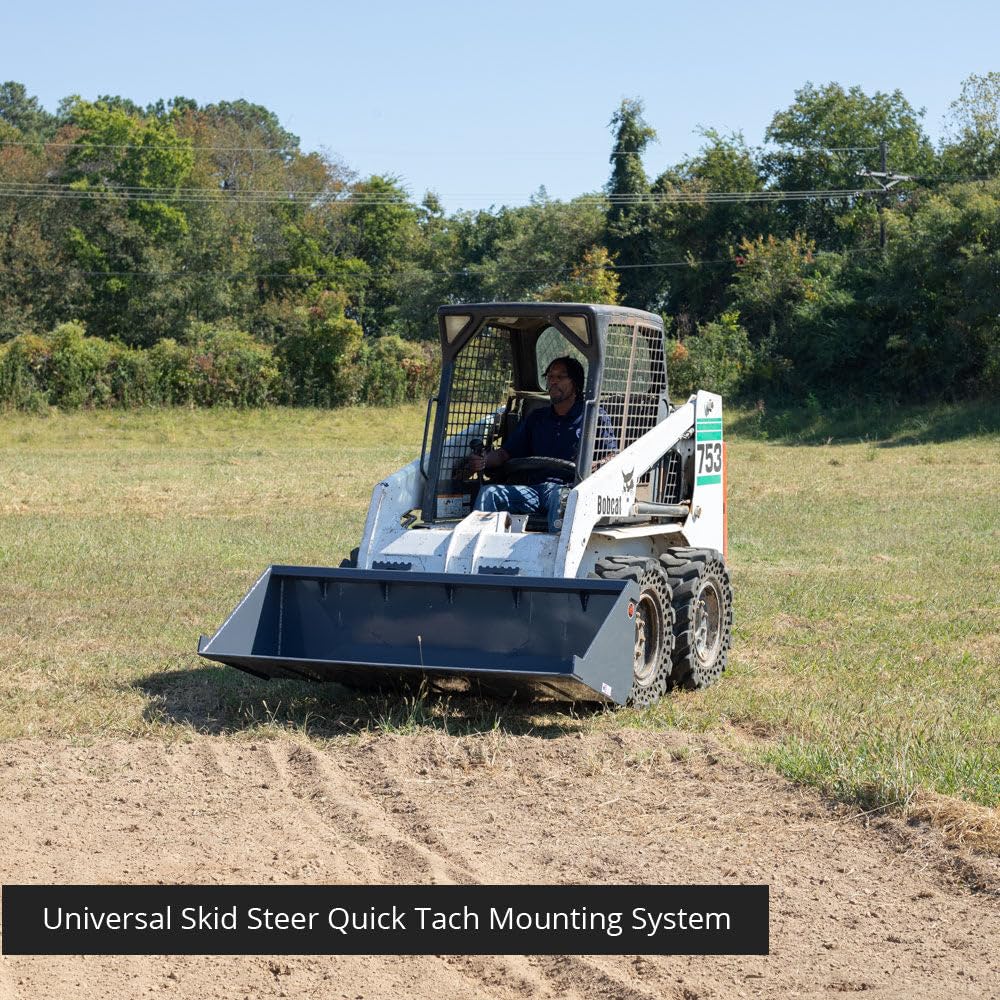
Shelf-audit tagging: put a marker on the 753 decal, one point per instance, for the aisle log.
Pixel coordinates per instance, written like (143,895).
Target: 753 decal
(709,457)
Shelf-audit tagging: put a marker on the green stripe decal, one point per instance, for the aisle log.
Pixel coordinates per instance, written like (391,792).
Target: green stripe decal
(708,480)
(713,422)
(709,435)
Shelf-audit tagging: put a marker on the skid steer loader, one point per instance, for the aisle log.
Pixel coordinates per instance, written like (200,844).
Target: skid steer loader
(628,597)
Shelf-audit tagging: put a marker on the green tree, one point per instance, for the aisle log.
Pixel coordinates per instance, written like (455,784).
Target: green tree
(253,211)
(825,139)
(972,142)
(433,273)
(35,290)
(520,251)
(127,232)
(319,350)
(258,122)
(716,357)
(594,279)
(936,305)
(796,310)
(379,225)
(23,112)
(702,229)
(630,208)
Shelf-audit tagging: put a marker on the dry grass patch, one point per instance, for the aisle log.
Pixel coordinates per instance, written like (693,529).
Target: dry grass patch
(962,823)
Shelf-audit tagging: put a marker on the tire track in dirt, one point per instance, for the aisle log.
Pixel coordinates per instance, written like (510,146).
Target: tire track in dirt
(408,812)
(330,843)
(502,975)
(588,978)
(346,807)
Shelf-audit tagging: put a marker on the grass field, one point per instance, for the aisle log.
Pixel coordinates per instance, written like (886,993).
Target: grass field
(866,570)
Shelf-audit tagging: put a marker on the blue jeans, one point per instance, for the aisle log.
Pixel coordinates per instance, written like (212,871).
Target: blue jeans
(523,499)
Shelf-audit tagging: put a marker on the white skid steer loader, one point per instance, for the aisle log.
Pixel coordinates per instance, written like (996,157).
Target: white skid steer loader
(629,596)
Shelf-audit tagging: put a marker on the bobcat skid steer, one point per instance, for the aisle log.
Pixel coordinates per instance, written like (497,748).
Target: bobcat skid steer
(627,598)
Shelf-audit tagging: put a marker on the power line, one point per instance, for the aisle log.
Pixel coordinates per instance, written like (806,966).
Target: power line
(179,145)
(285,150)
(466,272)
(30,190)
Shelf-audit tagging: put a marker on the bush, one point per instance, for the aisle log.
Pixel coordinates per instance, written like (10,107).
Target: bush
(397,371)
(717,358)
(132,379)
(64,368)
(24,364)
(78,368)
(219,367)
(319,354)
(231,368)
(321,360)
(173,372)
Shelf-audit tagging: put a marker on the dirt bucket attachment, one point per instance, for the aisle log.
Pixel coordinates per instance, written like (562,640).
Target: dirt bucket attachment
(571,639)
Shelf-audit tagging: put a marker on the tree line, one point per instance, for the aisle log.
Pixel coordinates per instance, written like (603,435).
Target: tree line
(186,253)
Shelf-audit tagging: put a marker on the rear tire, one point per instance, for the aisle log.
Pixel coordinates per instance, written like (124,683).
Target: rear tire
(703,612)
(654,625)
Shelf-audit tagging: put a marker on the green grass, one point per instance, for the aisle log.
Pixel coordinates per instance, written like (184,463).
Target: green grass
(866,573)
(866,650)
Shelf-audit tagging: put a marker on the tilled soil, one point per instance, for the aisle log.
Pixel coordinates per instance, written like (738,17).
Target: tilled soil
(857,903)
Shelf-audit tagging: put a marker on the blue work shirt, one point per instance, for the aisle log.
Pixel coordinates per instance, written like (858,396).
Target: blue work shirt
(545,433)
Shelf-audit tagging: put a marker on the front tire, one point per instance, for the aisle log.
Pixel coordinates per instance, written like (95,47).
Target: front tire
(654,625)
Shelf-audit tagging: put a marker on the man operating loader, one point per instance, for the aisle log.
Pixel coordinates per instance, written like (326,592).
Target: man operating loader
(551,432)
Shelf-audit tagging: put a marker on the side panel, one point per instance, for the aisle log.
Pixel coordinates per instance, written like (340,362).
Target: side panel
(610,491)
(705,527)
(391,499)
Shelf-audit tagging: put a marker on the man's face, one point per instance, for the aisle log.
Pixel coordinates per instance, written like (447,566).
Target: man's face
(559,384)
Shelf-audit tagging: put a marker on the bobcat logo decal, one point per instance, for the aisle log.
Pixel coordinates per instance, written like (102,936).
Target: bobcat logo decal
(628,478)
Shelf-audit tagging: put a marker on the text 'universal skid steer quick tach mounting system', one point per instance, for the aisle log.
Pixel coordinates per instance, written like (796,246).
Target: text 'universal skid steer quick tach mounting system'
(619,596)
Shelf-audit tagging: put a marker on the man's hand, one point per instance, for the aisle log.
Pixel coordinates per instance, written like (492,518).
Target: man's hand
(486,461)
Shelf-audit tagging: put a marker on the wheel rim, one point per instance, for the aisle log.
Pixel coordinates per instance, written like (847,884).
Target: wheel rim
(707,624)
(648,640)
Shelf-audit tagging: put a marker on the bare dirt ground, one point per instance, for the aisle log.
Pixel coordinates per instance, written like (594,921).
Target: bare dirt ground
(857,904)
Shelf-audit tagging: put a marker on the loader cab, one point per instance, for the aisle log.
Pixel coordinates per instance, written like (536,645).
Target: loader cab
(493,359)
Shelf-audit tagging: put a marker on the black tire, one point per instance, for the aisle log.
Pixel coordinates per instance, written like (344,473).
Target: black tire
(654,625)
(351,562)
(703,614)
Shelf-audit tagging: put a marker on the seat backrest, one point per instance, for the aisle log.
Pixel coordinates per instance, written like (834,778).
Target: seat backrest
(519,412)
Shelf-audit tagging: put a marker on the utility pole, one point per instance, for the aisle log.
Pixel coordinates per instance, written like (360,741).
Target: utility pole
(886,181)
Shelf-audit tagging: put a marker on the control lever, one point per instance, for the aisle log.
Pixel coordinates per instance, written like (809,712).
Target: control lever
(478,447)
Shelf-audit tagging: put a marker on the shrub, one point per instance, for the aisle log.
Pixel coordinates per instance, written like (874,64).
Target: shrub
(231,368)
(321,360)
(319,353)
(65,368)
(396,370)
(173,372)
(132,379)
(24,363)
(717,358)
(78,368)
(219,366)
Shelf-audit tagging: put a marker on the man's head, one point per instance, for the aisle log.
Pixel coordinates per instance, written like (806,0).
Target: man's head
(564,379)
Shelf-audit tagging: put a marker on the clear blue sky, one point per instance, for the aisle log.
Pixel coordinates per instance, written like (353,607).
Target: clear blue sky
(485,103)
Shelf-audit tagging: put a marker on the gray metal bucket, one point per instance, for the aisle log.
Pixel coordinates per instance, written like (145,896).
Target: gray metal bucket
(534,635)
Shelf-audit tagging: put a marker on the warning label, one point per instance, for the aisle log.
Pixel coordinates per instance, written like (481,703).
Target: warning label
(453,504)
